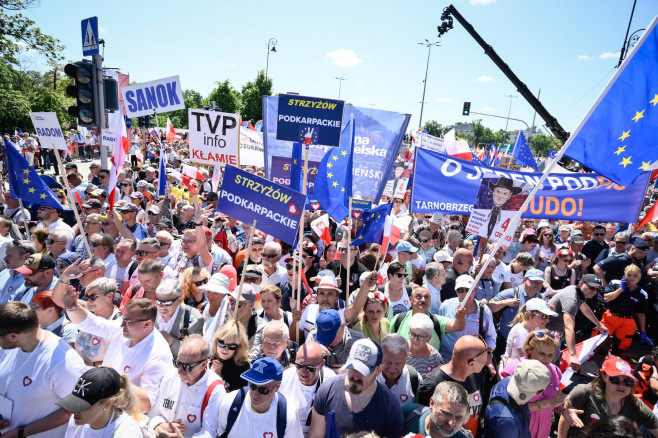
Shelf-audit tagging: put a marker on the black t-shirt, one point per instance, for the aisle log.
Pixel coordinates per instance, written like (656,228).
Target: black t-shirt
(355,273)
(629,302)
(592,250)
(448,289)
(231,375)
(614,266)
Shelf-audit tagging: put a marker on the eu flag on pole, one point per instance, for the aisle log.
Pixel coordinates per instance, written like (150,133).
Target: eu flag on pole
(333,185)
(162,175)
(372,230)
(617,137)
(25,183)
(522,152)
(296,176)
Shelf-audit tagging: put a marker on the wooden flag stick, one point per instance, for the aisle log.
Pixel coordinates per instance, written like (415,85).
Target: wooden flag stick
(297,261)
(349,250)
(25,221)
(69,194)
(244,270)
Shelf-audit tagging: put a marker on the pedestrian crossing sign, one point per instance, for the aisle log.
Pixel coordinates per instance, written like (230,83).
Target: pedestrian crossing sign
(89,29)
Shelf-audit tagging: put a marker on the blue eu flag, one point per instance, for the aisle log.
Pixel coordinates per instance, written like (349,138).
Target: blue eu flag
(333,185)
(25,183)
(296,175)
(372,230)
(522,152)
(617,138)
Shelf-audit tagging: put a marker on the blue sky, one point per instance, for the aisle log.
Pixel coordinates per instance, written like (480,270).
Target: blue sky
(568,48)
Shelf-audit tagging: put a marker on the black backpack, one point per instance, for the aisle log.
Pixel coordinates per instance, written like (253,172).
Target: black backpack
(402,315)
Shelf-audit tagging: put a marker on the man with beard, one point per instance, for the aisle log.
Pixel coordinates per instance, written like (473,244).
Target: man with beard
(359,402)
(273,272)
(12,282)
(447,413)
(39,274)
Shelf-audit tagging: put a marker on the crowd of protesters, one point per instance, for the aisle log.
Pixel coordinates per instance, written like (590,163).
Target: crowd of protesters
(158,318)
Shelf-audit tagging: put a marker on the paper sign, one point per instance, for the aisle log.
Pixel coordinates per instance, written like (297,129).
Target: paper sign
(159,96)
(494,208)
(277,209)
(214,137)
(48,131)
(309,120)
(423,140)
(251,148)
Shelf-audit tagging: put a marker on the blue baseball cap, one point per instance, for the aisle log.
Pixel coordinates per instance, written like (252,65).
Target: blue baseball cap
(328,323)
(404,246)
(264,371)
(534,274)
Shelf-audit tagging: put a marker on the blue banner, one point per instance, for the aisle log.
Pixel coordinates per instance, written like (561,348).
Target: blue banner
(281,168)
(443,184)
(309,120)
(378,137)
(276,208)
(359,206)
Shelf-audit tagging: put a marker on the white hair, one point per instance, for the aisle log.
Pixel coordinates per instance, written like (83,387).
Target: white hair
(420,321)
(275,327)
(273,245)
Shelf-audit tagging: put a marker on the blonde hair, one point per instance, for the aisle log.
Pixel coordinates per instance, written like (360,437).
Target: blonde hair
(186,279)
(233,333)
(522,316)
(532,342)
(126,400)
(633,268)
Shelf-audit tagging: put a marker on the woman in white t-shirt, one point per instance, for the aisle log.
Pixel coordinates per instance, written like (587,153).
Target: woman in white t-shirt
(102,405)
(533,315)
(270,300)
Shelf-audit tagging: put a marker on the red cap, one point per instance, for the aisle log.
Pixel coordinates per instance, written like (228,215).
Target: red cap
(614,366)
(232,274)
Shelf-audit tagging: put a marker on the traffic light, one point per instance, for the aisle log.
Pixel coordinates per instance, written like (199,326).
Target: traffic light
(83,90)
(147,122)
(467,109)
(141,122)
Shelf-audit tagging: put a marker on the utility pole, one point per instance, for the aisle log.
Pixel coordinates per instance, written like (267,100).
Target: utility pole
(508,113)
(340,84)
(422,104)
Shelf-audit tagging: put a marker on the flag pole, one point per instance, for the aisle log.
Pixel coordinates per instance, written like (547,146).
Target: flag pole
(349,250)
(244,271)
(299,242)
(514,220)
(69,194)
(25,221)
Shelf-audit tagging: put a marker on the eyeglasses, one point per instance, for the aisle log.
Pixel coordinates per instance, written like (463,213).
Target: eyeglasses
(51,241)
(543,317)
(103,223)
(344,250)
(260,389)
(619,242)
(258,250)
(201,282)
(165,303)
(309,368)
(401,275)
(627,382)
(95,244)
(598,234)
(186,366)
(424,240)
(92,223)
(142,253)
(269,256)
(222,344)
(163,243)
(417,336)
(128,322)
(93,297)
(43,208)
(289,267)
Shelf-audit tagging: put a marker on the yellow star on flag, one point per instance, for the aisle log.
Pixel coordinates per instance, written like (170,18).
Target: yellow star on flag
(329,175)
(626,161)
(625,135)
(342,189)
(335,184)
(329,165)
(32,190)
(343,153)
(620,150)
(638,116)
(26,181)
(334,158)
(293,161)
(26,171)
(654,100)
(645,165)
(43,196)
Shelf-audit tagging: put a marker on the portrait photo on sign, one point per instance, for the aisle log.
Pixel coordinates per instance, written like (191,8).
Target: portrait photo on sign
(497,201)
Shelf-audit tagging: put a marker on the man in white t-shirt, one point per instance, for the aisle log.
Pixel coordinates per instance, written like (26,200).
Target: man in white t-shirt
(396,375)
(301,382)
(49,218)
(136,347)
(179,407)
(258,410)
(37,369)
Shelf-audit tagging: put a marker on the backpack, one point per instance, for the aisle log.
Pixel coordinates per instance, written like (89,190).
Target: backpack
(402,315)
(413,378)
(236,406)
(412,413)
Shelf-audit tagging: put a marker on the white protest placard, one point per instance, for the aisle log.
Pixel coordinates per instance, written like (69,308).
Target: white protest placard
(49,131)
(214,137)
(160,96)
(251,148)
(424,140)
(108,137)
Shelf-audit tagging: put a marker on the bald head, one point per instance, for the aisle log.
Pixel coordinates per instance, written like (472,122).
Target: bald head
(309,352)
(466,347)
(194,347)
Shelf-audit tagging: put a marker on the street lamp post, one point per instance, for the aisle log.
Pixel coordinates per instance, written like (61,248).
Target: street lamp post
(508,113)
(340,84)
(422,104)
(271,47)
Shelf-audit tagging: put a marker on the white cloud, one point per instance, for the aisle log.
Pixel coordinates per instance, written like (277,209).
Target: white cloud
(585,57)
(484,79)
(231,65)
(481,2)
(444,99)
(344,58)
(608,55)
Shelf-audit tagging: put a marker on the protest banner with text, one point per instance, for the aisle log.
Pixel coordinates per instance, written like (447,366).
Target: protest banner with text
(48,130)
(309,120)
(160,96)
(214,137)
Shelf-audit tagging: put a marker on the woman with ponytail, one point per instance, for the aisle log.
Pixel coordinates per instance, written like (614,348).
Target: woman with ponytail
(102,405)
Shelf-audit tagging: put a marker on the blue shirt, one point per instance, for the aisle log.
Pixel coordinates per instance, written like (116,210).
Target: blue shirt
(509,313)
(487,289)
(501,421)
(138,231)
(11,284)
(448,340)
(435,294)
(27,296)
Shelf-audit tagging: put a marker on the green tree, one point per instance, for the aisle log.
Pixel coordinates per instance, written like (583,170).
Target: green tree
(226,97)
(541,143)
(252,97)
(179,118)
(433,128)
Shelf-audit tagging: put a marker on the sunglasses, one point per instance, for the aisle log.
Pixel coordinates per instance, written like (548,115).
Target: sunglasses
(51,241)
(128,322)
(186,366)
(153,214)
(627,382)
(289,267)
(222,344)
(126,185)
(309,368)
(95,244)
(201,282)
(618,242)
(162,243)
(260,389)
(165,303)
(424,240)
(598,234)
(548,235)
(267,256)
(401,275)
(93,297)
(258,250)
(35,307)
(102,176)
(142,253)
(543,317)
(542,335)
